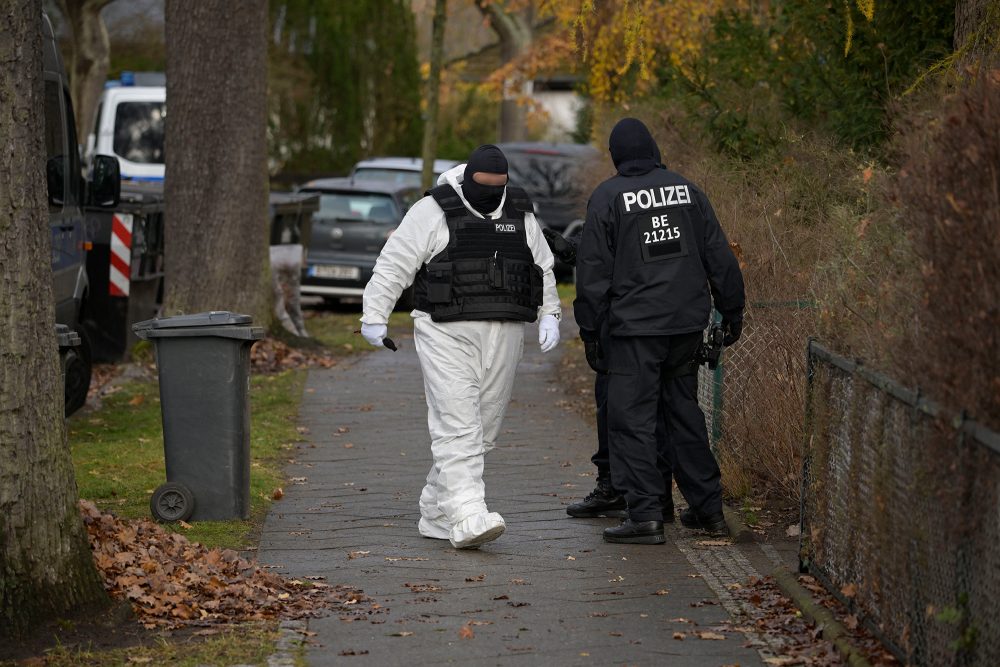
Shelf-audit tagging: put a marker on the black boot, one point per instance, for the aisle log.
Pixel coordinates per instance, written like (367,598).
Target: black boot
(713,524)
(602,501)
(631,532)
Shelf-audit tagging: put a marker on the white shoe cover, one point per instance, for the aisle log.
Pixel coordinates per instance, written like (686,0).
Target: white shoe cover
(437,529)
(477,529)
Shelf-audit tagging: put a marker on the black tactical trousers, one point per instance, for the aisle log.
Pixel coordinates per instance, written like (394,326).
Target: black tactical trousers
(602,458)
(642,392)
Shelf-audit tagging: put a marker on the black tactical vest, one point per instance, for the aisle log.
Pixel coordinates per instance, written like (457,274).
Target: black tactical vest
(487,272)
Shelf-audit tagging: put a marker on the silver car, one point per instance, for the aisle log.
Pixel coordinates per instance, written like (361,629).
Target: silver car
(400,171)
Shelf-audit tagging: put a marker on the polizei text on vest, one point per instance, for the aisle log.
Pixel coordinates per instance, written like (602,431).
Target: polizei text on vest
(667,195)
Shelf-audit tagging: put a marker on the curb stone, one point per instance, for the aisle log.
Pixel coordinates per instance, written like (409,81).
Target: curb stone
(830,628)
(289,644)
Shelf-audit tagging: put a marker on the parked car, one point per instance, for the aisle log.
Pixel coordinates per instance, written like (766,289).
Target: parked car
(551,174)
(354,220)
(400,171)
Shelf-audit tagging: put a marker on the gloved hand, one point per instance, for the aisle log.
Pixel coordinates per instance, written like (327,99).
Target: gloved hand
(548,332)
(595,356)
(733,330)
(560,247)
(374,333)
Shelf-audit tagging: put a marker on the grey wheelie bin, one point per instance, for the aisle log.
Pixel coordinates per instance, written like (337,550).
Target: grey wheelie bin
(204,366)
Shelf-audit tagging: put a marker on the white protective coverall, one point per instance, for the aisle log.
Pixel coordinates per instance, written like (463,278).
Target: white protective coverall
(468,369)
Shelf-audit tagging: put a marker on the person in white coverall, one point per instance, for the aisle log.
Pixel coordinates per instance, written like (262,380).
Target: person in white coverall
(480,269)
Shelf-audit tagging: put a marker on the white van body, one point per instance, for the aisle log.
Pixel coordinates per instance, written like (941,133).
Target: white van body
(129,125)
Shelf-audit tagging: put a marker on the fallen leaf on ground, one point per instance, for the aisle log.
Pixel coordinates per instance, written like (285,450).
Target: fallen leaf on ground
(662,591)
(570,557)
(849,590)
(679,636)
(351,555)
(793,530)
(172,582)
(185,525)
(783,660)
(278,494)
(710,635)
(713,543)
(465,632)
(851,621)
(401,634)
(478,577)
(139,399)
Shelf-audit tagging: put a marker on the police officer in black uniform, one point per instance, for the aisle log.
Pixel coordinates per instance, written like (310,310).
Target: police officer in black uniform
(605,500)
(650,263)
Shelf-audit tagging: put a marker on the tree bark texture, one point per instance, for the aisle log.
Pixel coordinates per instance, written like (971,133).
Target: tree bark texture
(90,59)
(46,567)
(216,189)
(515,33)
(433,92)
(977,22)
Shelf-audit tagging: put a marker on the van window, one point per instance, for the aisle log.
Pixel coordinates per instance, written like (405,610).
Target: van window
(55,146)
(139,131)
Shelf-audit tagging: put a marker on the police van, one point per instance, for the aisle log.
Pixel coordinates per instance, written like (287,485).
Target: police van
(129,124)
(68,193)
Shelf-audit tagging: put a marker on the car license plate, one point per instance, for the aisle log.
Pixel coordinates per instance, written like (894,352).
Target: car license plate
(336,272)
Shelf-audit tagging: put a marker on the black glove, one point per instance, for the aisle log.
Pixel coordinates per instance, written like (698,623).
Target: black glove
(733,329)
(559,246)
(595,356)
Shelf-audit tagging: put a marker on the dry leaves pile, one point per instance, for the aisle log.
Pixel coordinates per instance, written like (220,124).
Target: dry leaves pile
(779,618)
(272,356)
(172,582)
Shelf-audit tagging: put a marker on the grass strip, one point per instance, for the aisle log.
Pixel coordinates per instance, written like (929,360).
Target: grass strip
(118,453)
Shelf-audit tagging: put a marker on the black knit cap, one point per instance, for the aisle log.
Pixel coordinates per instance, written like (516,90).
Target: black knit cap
(632,147)
(487,158)
(484,198)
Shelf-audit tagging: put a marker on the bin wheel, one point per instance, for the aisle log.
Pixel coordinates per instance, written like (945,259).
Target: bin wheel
(172,502)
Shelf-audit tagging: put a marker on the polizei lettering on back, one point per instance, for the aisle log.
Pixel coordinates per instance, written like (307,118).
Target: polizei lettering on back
(667,195)
(506,228)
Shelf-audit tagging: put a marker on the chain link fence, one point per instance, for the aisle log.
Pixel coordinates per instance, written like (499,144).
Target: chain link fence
(754,400)
(901,514)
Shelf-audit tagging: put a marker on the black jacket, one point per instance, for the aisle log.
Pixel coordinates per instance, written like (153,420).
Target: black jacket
(652,258)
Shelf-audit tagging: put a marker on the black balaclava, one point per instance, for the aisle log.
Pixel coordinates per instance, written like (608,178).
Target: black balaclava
(632,147)
(484,198)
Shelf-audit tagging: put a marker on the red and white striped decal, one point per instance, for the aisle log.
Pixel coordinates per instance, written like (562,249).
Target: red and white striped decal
(120,273)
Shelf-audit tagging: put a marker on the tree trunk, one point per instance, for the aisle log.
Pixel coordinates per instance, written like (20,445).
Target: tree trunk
(88,66)
(977,22)
(216,189)
(46,567)
(515,33)
(433,92)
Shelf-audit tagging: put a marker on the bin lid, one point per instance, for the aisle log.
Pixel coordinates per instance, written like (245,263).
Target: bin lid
(214,318)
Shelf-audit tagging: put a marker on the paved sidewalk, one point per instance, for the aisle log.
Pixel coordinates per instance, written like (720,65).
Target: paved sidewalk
(549,590)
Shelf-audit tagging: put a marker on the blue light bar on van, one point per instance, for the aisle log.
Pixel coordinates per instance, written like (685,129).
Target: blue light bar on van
(128,78)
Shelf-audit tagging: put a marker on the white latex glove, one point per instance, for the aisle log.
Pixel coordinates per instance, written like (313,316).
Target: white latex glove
(374,333)
(548,332)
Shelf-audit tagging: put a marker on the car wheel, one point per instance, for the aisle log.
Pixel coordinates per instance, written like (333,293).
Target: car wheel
(79,368)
